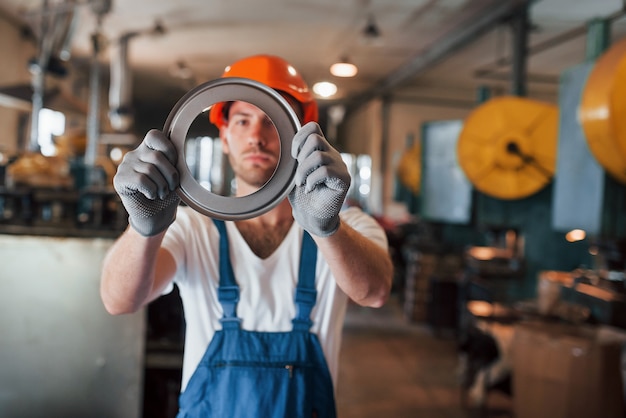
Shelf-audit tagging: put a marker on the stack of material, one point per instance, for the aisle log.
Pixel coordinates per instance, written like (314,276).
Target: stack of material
(36,170)
(422,269)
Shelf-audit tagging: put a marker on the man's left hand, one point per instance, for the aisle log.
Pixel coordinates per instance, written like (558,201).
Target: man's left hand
(321,182)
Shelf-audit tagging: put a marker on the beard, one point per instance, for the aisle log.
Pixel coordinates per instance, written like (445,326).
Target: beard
(253,174)
(256,177)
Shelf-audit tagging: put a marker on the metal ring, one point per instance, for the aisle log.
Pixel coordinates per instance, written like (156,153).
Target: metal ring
(277,109)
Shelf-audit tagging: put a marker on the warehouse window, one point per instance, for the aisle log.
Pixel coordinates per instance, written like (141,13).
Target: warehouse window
(206,163)
(360,168)
(50,123)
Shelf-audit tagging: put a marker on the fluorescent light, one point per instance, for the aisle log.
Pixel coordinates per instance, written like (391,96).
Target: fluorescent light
(343,69)
(324,89)
(116,154)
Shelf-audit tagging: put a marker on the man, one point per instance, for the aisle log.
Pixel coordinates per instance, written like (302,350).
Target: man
(250,349)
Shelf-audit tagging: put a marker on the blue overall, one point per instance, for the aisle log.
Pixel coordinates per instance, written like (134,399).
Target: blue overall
(245,374)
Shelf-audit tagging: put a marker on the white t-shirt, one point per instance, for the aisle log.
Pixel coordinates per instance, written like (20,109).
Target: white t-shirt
(267,286)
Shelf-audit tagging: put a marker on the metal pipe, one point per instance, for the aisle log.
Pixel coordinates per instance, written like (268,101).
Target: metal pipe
(120,90)
(38,84)
(98,6)
(553,42)
(121,114)
(435,102)
(65,42)
(519,26)
(55,29)
(38,72)
(386,122)
(476,26)
(93,116)
(530,78)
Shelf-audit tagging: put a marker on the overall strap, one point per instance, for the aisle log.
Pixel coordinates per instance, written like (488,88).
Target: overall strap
(228,290)
(306,295)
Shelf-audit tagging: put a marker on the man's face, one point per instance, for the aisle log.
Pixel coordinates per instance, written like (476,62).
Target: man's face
(251,142)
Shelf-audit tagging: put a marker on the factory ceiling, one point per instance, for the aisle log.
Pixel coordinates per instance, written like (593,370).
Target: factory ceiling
(397,45)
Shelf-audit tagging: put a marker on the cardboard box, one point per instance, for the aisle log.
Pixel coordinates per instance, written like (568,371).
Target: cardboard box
(566,371)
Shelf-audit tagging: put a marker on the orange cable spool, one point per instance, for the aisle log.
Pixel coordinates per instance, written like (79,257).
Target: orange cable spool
(602,111)
(507,147)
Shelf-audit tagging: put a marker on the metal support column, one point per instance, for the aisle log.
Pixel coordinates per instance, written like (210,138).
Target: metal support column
(519,27)
(93,118)
(38,72)
(598,38)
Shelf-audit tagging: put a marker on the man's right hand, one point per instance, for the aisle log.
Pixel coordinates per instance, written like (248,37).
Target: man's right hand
(146,181)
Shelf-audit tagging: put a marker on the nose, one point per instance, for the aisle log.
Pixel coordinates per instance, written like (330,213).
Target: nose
(256,133)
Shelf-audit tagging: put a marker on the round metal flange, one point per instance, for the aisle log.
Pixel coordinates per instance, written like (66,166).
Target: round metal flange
(277,109)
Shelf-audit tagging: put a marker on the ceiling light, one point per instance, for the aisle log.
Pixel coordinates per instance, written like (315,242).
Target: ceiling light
(116,154)
(343,68)
(324,89)
(371,31)
(181,70)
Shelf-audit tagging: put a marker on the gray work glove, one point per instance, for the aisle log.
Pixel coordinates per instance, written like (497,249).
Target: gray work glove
(146,181)
(321,182)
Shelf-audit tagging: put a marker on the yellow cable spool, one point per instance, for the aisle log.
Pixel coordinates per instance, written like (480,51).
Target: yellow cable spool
(409,168)
(601,111)
(507,147)
(618,103)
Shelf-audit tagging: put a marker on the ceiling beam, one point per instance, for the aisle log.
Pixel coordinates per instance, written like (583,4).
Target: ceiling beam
(484,20)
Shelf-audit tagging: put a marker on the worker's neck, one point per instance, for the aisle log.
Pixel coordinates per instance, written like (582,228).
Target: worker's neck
(264,233)
(279,215)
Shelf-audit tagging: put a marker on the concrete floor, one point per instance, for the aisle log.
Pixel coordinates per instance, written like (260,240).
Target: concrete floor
(391,368)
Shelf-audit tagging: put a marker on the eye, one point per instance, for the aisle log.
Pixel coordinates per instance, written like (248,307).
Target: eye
(241,121)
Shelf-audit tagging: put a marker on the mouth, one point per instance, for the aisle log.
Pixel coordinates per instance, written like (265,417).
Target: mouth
(260,158)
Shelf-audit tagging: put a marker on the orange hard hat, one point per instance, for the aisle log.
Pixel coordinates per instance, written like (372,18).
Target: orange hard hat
(276,73)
